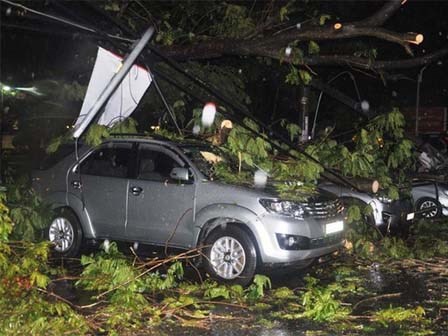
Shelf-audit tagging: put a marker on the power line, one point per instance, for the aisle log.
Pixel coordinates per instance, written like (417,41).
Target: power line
(65,21)
(214,92)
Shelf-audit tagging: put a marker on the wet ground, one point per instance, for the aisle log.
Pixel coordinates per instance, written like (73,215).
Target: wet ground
(386,286)
(407,284)
(385,289)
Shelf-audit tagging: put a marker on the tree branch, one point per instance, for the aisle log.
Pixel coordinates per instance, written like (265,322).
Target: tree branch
(345,32)
(363,63)
(271,46)
(382,15)
(321,60)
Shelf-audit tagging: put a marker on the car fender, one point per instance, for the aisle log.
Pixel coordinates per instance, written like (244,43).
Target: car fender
(77,205)
(212,216)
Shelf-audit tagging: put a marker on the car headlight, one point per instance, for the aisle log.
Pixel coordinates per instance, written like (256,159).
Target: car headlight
(285,208)
(385,199)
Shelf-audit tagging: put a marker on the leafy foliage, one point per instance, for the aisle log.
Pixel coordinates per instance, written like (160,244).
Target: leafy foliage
(298,76)
(96,134)
(28,212)
(235,23)
(378,150)
(24,275)
(400,315)
(135,295)
(319,303)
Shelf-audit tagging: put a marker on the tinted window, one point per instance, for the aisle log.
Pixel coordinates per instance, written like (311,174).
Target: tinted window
(112,161)
(155,165)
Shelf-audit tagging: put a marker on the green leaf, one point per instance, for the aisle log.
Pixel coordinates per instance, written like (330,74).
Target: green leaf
(305,76)
(283,13)
(313,48)
(323,18)
(217,292)
(39,279)
(293,130)
(54,145)
(283,293)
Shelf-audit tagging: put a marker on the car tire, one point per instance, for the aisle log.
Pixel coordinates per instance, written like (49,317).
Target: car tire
(65,233)
(230,256)
(428,202)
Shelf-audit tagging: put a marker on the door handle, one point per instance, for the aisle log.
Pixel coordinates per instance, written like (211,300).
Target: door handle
(136,191)
(76,184)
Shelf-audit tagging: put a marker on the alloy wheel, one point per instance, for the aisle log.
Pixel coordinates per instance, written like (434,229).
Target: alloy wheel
(61,234)
(429,204)
(227,257)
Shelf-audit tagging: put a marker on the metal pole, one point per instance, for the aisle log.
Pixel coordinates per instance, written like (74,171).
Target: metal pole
(417,100)
(304,108)
(113,84)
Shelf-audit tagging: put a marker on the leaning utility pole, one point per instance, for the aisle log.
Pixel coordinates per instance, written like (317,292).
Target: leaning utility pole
(113,84)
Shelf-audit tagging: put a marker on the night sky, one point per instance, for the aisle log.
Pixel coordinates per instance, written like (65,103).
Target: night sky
(46,50)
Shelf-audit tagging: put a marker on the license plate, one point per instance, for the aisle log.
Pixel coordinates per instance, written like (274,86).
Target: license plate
(410,216)
(334,227)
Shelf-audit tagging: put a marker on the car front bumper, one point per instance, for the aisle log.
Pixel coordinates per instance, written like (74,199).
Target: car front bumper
(392,215)
(313,229)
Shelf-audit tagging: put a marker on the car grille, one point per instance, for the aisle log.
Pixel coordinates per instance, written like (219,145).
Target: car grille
(323,210)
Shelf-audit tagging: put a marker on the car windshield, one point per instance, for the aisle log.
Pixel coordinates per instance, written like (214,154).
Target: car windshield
(209,160)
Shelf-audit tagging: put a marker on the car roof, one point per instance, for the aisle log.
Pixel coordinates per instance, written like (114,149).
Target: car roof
(156,139)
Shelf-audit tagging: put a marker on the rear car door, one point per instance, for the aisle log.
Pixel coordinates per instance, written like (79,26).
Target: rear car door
(160,209)
(101,181)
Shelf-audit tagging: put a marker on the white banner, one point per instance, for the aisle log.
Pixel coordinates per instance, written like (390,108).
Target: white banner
(125,98)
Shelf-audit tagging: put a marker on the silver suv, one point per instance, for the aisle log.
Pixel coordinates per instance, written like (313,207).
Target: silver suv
(386,214)
(163,193)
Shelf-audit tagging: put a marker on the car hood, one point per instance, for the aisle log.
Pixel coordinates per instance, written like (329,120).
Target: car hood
(270,191)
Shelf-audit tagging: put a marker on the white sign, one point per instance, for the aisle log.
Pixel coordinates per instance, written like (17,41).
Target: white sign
(125,98)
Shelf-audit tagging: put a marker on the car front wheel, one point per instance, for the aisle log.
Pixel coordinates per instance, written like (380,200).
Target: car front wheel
(426,203)
(230,256)
(65,233)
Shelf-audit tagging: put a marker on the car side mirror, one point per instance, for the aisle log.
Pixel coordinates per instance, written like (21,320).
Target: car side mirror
(180,174)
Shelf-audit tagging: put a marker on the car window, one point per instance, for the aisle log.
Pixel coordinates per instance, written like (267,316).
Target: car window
(111,160)
(155,165)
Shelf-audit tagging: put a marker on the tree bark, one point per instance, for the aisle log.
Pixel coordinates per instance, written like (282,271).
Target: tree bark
(363,63)
(272,46)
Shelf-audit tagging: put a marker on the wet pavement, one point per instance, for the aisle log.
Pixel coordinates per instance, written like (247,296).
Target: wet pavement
(384,285)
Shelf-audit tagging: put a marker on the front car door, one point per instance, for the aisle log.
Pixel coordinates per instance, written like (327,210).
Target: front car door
(101,181)
(160,209)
